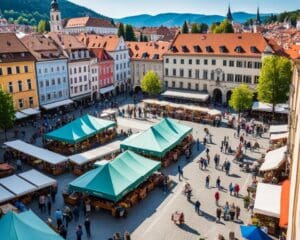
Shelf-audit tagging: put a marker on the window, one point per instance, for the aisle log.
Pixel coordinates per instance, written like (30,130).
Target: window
(181,61)
(181,73)
(205,61)
(41,84)
(166,84)
(9,70)
(224,62)
(43,98)
(47,83)
(80,88)
(205,74)
(80,78)
(256,79)
(48,96)
(75,70)
(167,60)
(198,61)
(197,86)
(205,87)
(249,65)
(30,101)
(26,69)
(181,84)
(70,70)
(79,69)
(247,79)
(190,61)
(189,86)
(52,69)
(197,74)
(230,77)
(174,71)
(58,81)
(20,85)
(1,73)
(85,78)
(213,62)
(21,103)
(29,84)
(45,70)
(239,64)
(174,61)
(212,75)
(84,69)
(238,78)
(17,69)
(57,68)
(173,84)
(231,63)
(60,94)
(190,73)
(167,72)
(40,71)
(257,65)
(53,81)
(10,87)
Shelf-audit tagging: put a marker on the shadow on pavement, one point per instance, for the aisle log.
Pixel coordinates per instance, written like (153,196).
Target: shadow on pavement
(189,229)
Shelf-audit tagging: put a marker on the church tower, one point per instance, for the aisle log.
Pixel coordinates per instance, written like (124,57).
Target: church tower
(257,20)
(55,17)
(229,15)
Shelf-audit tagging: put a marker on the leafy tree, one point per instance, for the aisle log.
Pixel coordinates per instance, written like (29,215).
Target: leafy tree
(121,30)
(41,27)
(151,83)
(195,28)
(7,112)
(203,27)
(141,37)
(213,26)
(185,28)
(145,38)
(112,22)
(129,33)
(224,27)
(274,80)
(241,98)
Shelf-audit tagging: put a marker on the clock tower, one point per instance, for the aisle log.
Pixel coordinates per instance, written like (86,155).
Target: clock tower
(55,17)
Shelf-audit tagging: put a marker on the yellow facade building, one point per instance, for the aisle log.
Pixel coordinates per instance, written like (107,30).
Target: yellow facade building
(17,72)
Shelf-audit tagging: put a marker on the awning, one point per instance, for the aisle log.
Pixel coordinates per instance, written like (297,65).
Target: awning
(107,89)
(5,195)
(17,185)
(36,152)
(57,104)
(95,154)
(279,128)
(267,107)
(274,159)
(38,179)
(278,136)
(191,95)
(267,200)
(284,204)
(31,111)
(20,115)
(134,124)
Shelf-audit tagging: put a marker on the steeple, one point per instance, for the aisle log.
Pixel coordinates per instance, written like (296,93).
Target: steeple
(55,17)
(258,21)
(229,15)
(54,6)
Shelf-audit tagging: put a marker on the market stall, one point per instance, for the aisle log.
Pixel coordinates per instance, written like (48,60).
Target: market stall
(262,111)
(165,141)
(117,184)
(6,169)
(83,162)
(279,129)
(279,138)
(192,96)
(134,124)
(5,195)
(267,206)
(41,181)
(81,135)
(38,157)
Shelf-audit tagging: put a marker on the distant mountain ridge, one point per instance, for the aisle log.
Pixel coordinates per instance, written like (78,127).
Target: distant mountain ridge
(177,19)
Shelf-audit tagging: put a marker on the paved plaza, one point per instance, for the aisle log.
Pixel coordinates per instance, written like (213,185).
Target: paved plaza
(151,217)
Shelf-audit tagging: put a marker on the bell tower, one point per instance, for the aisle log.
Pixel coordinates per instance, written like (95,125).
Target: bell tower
(55,18)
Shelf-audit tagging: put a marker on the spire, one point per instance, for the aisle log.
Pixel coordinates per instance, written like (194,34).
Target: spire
(54,5)
(258,21)
(229,15)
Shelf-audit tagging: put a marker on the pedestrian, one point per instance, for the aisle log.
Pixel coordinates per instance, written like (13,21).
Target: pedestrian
(237,212)
(216,161)
(76,213)
(218,183)
(87,225)
(127,235)
(204,141)
(53,191)
(226,211)
(180,172)
(236,190)
(230,188)
(87,208)
(58,217)
(207,181)
(198,144)
(19,165)
(217,198)
(205,164)
(67,215)
(208,158)
(63,232)
(79,232)
(227,167)
(232,212)
(207,151)
(49,204)
(201,163)
(219,212)
(197,207)
(42,203)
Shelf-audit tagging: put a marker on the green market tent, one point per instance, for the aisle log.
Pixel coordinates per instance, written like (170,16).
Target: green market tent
(158,139)
(25,226)
(115,179)
(80,129)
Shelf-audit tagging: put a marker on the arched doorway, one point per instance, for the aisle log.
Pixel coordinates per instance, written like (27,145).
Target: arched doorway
(217,96)
(122,88)
(117,90)
(228,96)
(137,89)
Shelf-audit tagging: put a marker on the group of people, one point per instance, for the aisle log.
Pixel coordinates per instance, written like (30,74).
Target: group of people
(230,212)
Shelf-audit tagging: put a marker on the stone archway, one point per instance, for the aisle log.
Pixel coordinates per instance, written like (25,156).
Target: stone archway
(228,95)
(217,96)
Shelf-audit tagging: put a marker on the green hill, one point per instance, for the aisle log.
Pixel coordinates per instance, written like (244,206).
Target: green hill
(32,11)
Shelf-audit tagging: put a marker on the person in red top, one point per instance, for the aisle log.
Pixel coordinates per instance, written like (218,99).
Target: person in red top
(236,190)
(217,198)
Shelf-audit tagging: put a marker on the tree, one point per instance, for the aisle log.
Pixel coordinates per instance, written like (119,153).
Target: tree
(151,83)
(224,27)
(145,38)
(203,27)
(121,30)
(141,37)
(129,33)
(7,112)
(274,80)
(112,22)
(195,28)
(185,28)
(241,98)
(43,26)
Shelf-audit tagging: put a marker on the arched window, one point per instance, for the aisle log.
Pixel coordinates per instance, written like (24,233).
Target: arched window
(57,18)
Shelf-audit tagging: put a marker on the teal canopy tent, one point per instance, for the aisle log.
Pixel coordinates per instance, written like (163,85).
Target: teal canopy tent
(158,139)
(25,226)
(115,179)
(80,129)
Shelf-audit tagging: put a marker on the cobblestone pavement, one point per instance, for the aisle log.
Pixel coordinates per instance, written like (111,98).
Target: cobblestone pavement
(151,218)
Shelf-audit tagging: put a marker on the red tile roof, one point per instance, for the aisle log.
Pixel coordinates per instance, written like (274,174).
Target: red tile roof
(88,22)
(66,41)
(108,42)
(101,54)
(294,51)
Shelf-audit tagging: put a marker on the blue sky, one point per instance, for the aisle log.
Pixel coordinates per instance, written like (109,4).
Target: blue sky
(122,8)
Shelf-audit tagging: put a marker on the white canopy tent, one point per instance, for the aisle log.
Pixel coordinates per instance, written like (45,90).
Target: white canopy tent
(101,163)
(274,159)
(267,107)
(31,111)
(107,89)
(38,179)
(20,115)
(17,185)
(95,154)
(5,195)
(186,95)
(57,104)
(278,136)
(279,128)
(134,123)
(267,200)
(34,151)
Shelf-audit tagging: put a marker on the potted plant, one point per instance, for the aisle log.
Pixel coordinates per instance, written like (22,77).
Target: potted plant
(246,201)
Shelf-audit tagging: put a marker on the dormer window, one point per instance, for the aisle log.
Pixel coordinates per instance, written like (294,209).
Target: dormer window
(209,49)
(239,49)
(253,49)
(184,49)
(223,49)
(197,48)
(174,49)
(155,56)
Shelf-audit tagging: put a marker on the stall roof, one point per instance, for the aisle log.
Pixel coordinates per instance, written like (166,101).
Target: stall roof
(279,128)
(274,159)
(134,124)
(191,95)
(31,111)
(17,185)
(267,107)
(37,152)
(267,200)
(95,154)
(284,204)
(57,104)
(5,195)
(80,129)
(278,136)
(158,139)
(115,179)
(20,115)
(38,179)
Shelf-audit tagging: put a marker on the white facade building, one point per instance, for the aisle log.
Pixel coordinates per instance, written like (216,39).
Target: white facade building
(55,17)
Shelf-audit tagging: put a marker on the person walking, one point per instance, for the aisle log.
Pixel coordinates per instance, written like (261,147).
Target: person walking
(49,204)
(76,213)
(219,213)
(217,198)
(180,172)
(207,179)
(236,190)
(42,203)
(197,207)
(218,183)
(58,217)
(87,225)
(237,212)
(127,235)
(232,212)
(79,232)
(230,188)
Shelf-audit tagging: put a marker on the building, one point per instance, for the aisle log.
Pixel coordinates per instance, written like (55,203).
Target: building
(157,33)
(229,15)
(82,67)
(146,56)
(106,72)
(80,24)
(51,69)
(117,49)
(215,63)
(17,72)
